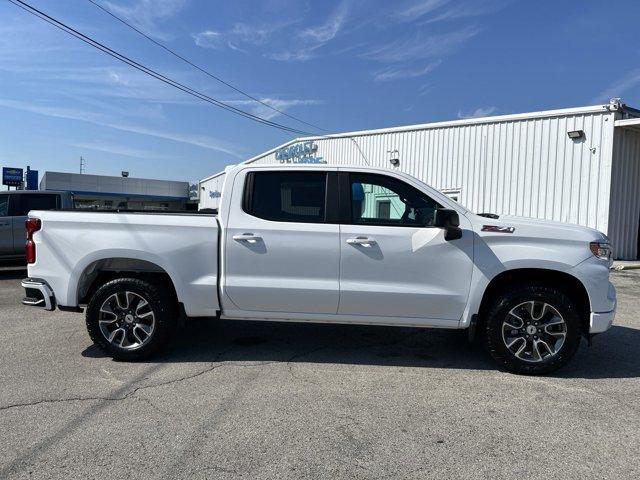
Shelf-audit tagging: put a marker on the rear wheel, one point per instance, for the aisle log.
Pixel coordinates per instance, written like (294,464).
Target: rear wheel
(532,329)
(130,318)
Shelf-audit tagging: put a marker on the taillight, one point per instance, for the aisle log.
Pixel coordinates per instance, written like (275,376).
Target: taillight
(32,225)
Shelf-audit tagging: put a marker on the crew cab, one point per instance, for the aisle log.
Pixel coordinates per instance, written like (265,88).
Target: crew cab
(320,243)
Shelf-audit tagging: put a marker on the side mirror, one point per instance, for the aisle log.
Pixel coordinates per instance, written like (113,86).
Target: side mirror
(449,220)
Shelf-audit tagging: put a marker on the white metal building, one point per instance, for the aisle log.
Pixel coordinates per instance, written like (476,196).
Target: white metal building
(577,165)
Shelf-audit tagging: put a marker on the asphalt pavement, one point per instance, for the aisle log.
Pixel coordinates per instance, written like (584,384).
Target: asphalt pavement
(300,401)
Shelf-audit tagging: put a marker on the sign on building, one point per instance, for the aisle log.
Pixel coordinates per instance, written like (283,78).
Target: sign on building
(12,177)
(304,152)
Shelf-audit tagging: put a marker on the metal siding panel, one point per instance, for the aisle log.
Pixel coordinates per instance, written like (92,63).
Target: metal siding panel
(624,213)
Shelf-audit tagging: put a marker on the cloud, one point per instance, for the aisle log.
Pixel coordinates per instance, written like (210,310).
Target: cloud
(279,103)
(477,113)
(147,15)
(235,47)
(328,30)
(467,10)
(424,89)
(418,46)
(103,120)
(418,9)
(202,141)
(113,82)
(58,112)
(290,56)
(312,38)
(255,35)
(442,10)
(119,150)
(617,88)
(208,39)
(240,34)
(302,42)
(393,73)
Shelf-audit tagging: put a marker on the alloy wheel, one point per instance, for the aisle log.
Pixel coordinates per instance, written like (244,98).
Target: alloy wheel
(126,320)
(534,331)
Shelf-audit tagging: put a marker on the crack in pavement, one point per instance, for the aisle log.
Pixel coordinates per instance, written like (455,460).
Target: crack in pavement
(212,367)
(107,398)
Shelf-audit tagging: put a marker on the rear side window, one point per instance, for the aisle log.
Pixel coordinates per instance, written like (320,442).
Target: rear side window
(37,201)
(4,205)
(286,196)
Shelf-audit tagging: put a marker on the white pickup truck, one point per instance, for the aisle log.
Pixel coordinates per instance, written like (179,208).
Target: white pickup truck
(327,244)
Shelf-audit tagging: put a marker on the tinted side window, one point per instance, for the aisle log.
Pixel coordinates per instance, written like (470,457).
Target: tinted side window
(287,196)
(4,205)
(382,200)
(37,201)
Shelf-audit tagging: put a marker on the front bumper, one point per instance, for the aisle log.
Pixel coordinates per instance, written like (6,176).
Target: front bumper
(600,322)
(593,273)
(38,294)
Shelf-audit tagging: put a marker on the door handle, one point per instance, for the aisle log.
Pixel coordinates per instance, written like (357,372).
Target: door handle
(364,241)
(247,237)
(4,224)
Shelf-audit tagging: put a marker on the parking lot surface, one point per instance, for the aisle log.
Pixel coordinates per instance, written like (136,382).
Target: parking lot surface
(276,400)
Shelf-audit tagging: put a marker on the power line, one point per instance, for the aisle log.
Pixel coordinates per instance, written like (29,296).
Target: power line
(206,72)
(138,66)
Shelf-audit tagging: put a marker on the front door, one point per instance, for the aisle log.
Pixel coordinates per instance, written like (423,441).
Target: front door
(281,254)
(394,262)
(6,226)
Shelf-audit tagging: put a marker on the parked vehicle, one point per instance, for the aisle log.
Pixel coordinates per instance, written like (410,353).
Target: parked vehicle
(14,207)
(327,244)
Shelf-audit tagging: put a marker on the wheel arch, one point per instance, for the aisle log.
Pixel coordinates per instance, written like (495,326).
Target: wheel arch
(566,282)
(98,272)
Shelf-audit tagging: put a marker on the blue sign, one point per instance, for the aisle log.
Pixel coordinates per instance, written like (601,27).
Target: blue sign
(304,152)
(32,179)
(215,194)
(12,177)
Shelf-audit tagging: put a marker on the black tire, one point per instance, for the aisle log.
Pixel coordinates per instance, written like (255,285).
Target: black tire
(160,301)
(510,299)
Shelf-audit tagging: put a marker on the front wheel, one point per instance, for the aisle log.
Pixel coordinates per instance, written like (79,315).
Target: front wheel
(532,329)
(130,318)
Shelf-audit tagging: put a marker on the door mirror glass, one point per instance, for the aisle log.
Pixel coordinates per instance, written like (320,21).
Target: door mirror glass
(450,221)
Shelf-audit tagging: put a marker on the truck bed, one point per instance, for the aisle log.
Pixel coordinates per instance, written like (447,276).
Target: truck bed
(71,244)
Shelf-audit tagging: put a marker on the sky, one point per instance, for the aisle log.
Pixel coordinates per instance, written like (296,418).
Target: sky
(340,65)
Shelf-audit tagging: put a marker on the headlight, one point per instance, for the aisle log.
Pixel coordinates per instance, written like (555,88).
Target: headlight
(601,250)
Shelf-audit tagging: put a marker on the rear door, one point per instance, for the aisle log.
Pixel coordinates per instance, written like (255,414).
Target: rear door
(6,227)
(25,202)
(394,262)
(281,245)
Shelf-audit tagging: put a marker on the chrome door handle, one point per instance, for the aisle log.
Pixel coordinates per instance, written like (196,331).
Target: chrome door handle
(364,241)
(247,237)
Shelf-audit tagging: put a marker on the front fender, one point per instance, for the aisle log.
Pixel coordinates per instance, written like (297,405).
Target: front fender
(497,253)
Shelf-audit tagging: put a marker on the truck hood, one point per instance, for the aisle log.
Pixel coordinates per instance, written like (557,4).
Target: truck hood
(536,228)
(532,243)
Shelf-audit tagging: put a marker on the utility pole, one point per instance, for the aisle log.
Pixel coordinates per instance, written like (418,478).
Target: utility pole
(82,165)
